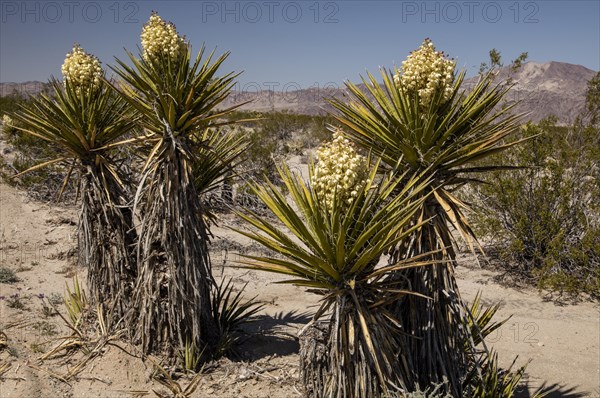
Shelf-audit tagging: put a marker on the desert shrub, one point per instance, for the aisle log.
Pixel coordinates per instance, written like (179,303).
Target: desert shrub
(29,149)
(10,103)
(282,125)
(544,218)
(275,135)
(262,155)
(7,275)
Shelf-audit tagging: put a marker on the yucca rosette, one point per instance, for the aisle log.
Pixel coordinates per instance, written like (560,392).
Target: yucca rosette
(85,121)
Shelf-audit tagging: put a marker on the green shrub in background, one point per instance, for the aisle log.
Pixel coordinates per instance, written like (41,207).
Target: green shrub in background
(10,103)
(276,135)
(544,218)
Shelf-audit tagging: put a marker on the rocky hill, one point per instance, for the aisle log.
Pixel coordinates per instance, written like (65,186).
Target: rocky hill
(25,88)
(552,88)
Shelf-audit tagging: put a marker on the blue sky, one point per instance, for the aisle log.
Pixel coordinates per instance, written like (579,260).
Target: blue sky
(301,43)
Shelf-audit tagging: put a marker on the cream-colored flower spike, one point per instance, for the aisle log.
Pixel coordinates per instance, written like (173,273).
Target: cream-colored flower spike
(82,70)
(425,71)
(159,37)
(7,121)
(340,173)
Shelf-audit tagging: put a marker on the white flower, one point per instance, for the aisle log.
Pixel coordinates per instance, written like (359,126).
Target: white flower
(425,72)
(159,37)
(7,121)
(341,172)
(82,70)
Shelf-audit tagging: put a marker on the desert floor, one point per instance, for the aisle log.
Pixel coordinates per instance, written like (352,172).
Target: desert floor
(562,340)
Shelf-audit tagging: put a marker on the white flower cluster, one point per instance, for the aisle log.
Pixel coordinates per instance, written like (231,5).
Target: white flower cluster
(8,124)
(81,69)
(340,172)
(159,37)
(425,71)
(7,121)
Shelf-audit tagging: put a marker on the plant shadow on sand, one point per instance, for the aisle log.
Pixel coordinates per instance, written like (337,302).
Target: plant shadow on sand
(276,335)
(273,334)
(552,391)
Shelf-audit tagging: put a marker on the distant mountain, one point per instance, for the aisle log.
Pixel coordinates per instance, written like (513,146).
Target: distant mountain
(26,88)
(552,88)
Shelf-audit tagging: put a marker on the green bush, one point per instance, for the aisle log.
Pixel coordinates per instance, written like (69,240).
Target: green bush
(545,217)
(7,275)
(10,103)
(275,135)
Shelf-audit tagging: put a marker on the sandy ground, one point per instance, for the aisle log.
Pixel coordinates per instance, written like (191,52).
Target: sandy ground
(563,341)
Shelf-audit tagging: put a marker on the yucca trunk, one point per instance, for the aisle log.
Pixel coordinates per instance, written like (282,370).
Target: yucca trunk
(436,345)
(107,240)
(172,294)
(436,327)
(344,357)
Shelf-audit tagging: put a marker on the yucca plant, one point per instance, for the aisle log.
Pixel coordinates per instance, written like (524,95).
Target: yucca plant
(76,302)
(495,382)
(176,97)
(337,229)
(480,319)
(84,118)
(189,357)
(231,311)
(421,120)
(175,389)
(486,379)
